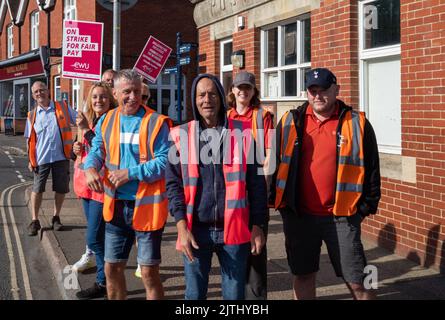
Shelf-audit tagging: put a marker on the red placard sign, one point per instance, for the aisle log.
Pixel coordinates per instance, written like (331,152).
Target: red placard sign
(82,50)
(152,59)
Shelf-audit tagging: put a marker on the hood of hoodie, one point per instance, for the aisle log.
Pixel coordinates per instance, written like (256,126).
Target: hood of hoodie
(222,111)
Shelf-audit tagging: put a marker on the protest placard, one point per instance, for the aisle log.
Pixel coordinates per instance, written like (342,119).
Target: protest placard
(152,59)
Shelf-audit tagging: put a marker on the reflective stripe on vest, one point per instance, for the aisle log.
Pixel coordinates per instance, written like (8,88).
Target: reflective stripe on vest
(236,213)
(63,122)
(351,167)
(288,141)
(350,172)
(150,211)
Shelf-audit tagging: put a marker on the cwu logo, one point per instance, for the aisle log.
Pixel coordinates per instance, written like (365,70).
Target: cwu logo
(81,66)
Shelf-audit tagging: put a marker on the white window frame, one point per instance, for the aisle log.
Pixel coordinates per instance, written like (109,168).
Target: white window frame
(10,41)
(70,10)
(172,87)
(35,20)
(366,55)
(57,87)
(76,94)
(280,68)
(224,67)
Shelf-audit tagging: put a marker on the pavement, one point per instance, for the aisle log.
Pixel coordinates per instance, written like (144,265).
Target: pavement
(398,278)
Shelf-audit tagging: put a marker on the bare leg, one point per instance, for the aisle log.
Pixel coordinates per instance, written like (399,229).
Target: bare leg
(58,202)
(304,286)
(36,201)
(152,282)
(359,292)
(116,286)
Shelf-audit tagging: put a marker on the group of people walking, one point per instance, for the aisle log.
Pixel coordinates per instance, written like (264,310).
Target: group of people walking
(217,175)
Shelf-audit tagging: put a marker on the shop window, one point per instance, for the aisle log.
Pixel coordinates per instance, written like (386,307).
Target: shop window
(10,46)
(7,99)
(34,30)
(285,56)
(380,81)
(226,50)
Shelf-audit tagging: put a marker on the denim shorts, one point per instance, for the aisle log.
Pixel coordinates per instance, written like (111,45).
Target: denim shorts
(120,236)
(342,235)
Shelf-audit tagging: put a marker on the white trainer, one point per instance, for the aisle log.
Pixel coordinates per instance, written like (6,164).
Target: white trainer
(137,273)
(87,261)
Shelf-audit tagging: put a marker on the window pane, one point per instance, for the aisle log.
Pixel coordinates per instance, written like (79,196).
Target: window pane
(153,101)
(165,79)
(7,97)
(381,21)
(272,85)
(307,40)
(290,83)
(383,99)
(303,77)
(165,101)
(227,81)
(227,50)
(290,44)
(272,48)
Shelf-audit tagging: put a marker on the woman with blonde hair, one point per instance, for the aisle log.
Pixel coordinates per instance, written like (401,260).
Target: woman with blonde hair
(99,101)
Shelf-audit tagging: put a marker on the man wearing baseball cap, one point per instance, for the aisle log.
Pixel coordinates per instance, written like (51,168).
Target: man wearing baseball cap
(327,181)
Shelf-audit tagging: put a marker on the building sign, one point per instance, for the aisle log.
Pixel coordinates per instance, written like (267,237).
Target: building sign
(28,69)
(152,59)
(82,50)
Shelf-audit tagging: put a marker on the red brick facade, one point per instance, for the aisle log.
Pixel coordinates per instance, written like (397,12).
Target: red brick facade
(411,216)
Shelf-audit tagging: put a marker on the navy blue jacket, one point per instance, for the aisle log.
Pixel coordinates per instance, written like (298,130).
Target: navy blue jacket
(211,192)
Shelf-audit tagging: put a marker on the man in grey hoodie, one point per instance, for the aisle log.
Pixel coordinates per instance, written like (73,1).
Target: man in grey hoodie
(216,208)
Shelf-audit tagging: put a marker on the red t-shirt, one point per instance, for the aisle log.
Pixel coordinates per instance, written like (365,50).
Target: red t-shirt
(247,116)
(318,164)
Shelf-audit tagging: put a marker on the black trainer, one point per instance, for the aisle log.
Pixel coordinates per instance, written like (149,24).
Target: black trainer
(56,224)
(96,291)
(34,227)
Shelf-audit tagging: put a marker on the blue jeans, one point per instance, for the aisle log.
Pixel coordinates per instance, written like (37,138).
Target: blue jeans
(232,260)
(120,236)
(96,234)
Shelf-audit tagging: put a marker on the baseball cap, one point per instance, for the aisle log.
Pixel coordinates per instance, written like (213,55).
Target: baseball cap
(244,77)
(320,77)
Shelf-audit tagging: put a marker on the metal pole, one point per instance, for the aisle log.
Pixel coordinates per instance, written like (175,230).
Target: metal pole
(116,34)
(179,77)
(48,26)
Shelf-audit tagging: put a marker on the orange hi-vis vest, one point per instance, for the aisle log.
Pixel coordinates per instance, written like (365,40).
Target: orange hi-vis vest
(236,212)
(351,167)
(150,212)
(258,116)
(63,121)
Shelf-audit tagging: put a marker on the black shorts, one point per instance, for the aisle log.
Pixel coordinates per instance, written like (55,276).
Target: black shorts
(303,239)
(60,173)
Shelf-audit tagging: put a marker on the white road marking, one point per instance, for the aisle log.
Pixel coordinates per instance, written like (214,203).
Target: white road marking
(19,246)
(14,284)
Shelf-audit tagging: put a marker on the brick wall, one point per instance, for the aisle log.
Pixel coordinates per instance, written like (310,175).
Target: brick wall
(334,44)
(412,215)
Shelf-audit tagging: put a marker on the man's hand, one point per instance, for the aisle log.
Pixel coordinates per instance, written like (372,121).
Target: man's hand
(78,148)
(186,240)
(94,181)
(30,167)
(257,240)
(118,177)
